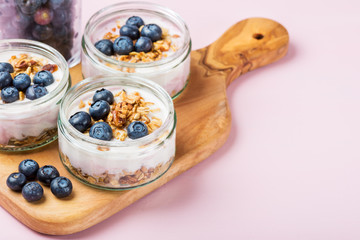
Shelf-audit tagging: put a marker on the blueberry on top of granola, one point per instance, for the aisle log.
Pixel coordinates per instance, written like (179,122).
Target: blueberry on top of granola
(5,79)
(135,20)
(22,81)
(35,91)
(6,67)
(9,94)
(102,131)
(105,46)
(43,78)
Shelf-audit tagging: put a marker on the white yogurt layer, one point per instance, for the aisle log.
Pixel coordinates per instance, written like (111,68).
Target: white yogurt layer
(131,156)
(27,118)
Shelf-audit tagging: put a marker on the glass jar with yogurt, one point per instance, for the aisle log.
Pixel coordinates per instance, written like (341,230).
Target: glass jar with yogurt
(54,22)
(29,120)
(121,161)
(169,66)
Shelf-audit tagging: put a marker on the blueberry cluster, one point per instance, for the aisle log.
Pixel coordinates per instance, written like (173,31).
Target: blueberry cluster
(99,110)
(130,33)
(48,175)
(10,87)
(48,21)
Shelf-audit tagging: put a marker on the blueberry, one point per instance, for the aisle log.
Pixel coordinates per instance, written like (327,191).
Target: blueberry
(137,129)
(43,16)
(6,67)
(29,168)
(143,44)
(9,94)
(43,78)
(130,31)
(103,94)
(81,121)
(99,110)
(61,187)
(123,45)
(102,131)
(105,46)
(135,21)
(21,21)
(16,181)
(28,6)
(61,16)
(46,174)
(5,80)
(42,32)
(152,31)
(32,192)
(35,91)
(22,81)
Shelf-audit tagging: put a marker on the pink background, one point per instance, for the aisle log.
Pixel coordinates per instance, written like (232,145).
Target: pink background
(291,166)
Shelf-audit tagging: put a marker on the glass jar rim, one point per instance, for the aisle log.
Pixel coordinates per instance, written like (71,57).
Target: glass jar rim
(41,49)
(124,7)
(111,80)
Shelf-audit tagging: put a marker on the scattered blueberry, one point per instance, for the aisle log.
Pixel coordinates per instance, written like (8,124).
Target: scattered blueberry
(61,187)
(123,45)
(28,6)
(9,94)
(22,81)
(102,131)
(6,67)
(103,94)
(105,46)
(16,181)
(43,16)
(81,121)
(152,31)
(29,168)
(46,174)
(5,80)
(143,44)
(43,78)
(99,110)
(32,192)
(35,91)
(130,31)
(42,32)
(137,129)
(135,21)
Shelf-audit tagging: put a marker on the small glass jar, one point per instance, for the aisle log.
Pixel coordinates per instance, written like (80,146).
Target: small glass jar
(115,164)
(54,22)
(25,125)
(171,72)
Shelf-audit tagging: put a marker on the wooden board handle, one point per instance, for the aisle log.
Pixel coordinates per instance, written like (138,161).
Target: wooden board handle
(247,45)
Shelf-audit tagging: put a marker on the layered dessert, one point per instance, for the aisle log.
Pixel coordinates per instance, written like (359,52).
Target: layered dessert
(31,85)
(125,135)
(54,22)
(142,39)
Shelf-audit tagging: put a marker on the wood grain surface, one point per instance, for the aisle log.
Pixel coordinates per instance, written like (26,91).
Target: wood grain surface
(204,122)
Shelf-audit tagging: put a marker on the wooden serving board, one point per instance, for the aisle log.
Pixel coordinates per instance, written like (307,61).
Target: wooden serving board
(204,122)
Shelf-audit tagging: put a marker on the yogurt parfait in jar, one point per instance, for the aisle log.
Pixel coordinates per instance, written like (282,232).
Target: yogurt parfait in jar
(141,39)
(117,132)
(33,79)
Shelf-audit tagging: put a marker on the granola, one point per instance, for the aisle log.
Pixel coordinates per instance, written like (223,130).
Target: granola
(121,179)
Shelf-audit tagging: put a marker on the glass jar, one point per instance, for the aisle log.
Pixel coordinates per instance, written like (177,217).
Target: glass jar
(25,125)
(115,164)
(54,22)
(171,71)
